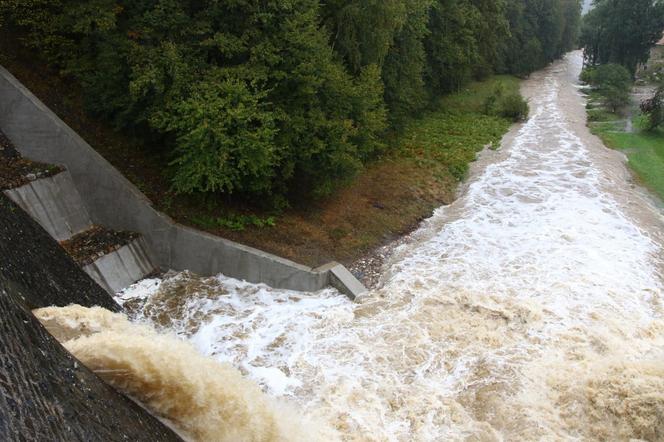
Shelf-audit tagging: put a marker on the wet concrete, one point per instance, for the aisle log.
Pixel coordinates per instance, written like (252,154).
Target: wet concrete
(45,393)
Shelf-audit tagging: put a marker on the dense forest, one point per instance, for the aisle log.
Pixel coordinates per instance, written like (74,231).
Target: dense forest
(277,99)
(622,32)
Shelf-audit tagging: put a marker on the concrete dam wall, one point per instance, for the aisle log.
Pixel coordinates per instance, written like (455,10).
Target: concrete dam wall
(55,203)
(46,394)
(111,200)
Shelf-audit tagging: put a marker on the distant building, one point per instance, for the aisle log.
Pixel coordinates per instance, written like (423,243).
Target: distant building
(655,63)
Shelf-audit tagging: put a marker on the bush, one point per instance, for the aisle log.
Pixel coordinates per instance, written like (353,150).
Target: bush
(513,107)
(491,102)
(225,139)
(653,109)
(612,81)
(588,75)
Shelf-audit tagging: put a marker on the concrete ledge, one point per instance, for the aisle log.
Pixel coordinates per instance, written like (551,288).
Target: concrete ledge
(121,268)
(54,203)
(114,202)
(340,278)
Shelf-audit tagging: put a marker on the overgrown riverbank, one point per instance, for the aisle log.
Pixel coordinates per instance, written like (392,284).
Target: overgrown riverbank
(386,200)
(625,130)
(644,150)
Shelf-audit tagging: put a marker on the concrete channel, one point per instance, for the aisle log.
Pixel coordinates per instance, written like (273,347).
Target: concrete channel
(111,200)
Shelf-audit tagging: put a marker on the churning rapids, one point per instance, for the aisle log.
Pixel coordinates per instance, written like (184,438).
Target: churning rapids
(530,309)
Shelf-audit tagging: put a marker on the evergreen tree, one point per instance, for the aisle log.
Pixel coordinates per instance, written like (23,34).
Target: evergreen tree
(405,65)
(281,98)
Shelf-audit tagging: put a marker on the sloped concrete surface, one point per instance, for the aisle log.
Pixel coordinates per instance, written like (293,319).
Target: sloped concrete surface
(34,263)
(45,393)
(343,280)
(114,202)
(55,203)
(123,267)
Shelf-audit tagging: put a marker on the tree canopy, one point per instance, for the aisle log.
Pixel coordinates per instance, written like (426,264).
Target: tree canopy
(282,98)
(622,31)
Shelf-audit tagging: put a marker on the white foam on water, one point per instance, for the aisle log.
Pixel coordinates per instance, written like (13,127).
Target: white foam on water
(530,310)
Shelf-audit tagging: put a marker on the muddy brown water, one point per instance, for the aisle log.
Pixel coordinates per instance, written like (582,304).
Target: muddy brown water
(530,309)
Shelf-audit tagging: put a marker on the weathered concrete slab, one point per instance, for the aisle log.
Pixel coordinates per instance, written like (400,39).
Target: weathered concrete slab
(54,202)
(343,280)
(33,262)
(45,393)
(123,267)
(114,202)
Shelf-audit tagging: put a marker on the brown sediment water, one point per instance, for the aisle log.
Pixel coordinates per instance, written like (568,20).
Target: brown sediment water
(530,309)
(202,399)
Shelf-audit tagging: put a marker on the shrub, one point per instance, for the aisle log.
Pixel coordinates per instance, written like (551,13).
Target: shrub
(613,82)
(653,109)
(491,102)
(588,75)
(225,139)
(513,107)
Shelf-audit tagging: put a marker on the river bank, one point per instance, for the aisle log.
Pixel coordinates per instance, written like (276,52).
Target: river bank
(624,132)
(386,201)
(372,267)
(528,309)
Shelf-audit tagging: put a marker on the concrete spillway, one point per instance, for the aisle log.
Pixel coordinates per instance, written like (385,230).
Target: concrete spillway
(45,394)
(55,203)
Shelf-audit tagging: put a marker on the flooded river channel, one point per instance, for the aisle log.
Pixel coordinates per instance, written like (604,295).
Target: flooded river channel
(530,309)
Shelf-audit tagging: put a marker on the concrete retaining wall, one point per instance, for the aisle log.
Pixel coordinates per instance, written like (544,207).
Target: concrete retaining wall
(54,203)
(120,269)
(113,201)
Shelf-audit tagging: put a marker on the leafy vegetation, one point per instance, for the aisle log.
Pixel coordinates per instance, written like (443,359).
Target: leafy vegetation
(612,82)
(451,136)
(653,109)
(234,222)
(644,150)
(622,31)
(511,106)
(277,100)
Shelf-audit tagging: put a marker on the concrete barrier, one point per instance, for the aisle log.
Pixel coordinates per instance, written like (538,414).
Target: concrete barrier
(121,268)
(54,202)
(113,201)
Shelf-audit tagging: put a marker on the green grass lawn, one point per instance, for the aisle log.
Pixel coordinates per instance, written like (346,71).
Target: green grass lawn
(645,151)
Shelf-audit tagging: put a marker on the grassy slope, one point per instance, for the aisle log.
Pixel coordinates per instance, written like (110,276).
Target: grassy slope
(645,151)
(388,199)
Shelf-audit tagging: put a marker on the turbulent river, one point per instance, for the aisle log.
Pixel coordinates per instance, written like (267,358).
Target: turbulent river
(530,309)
